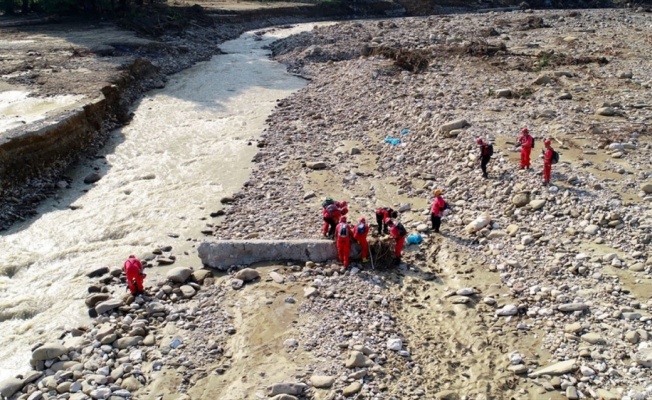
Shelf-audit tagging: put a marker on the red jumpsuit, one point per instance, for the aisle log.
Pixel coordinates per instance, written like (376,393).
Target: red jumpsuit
(331,215)
(343,242)
(526,142)
(400,240)
(547,164)
(436,212)
(360,235)
(134,271)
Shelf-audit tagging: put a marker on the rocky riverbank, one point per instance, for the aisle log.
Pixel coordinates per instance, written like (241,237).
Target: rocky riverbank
(568,267)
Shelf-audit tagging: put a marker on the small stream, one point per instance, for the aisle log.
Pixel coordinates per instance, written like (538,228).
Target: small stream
(188,145)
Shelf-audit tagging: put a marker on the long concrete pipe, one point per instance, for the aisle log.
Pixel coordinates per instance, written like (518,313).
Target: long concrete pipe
(225,253)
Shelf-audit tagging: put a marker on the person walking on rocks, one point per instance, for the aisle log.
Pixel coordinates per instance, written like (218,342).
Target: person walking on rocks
(381,215)
(486,151)
(343,242)
(527,144)
(133,268)
(549,157)
(398,232)
(437,210)
(360,235)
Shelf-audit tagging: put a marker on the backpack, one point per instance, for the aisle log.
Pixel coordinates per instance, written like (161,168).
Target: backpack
(446,207)
(330,209)
(489,149)
(401,229)
(327,202)
(555,157)
(344,231)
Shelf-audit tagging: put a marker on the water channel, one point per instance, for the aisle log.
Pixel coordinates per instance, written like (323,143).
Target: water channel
(162,175)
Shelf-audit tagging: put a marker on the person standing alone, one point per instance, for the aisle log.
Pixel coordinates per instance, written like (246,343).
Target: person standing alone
(437,210)
(486,151)
(133,268)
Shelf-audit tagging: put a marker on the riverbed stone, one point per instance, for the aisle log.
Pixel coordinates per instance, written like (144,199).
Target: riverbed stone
(559,368)
(322,381)
(593,338)
(352,389)
(10,386)
(179,274)
(48,351)
(108,305)
(358,359)
(286,388)
(127,341)
(247,274)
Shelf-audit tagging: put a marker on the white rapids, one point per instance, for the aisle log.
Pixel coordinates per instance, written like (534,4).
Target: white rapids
(162,175)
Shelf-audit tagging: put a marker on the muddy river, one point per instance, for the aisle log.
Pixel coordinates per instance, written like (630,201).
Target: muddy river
(188,145)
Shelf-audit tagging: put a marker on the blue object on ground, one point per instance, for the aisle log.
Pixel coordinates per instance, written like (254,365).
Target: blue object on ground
(414,238)
(392,141)
(405,131)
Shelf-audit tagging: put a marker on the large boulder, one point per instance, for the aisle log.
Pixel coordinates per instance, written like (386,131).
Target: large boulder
(647,187)
(457,124)
(521,199)
(179,274)
(48,351)
(286,388)
(247,274)
(10,386)
(108,305)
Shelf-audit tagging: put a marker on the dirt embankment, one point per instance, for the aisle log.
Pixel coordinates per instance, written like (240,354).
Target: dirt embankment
(108,65)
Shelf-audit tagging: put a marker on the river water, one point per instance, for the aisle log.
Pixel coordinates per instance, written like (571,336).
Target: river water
(162,175)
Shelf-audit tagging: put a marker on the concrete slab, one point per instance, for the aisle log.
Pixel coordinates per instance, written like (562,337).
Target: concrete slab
(225,253)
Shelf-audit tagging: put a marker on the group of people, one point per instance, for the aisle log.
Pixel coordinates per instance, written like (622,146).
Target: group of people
(343,233)
(526,143)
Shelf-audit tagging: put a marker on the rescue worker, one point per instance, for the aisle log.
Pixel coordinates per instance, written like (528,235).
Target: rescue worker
(398,232)
(548,153)
(343,242)
(134,271)
(437,210)
(486,151)
(343,207)
(382,214)
(331,214)
(527,143)
(360,235)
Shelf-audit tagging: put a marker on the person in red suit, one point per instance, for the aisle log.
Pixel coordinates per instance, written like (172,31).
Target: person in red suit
(548,153)
(398,232)
(527,143)
(343,242)
(437,210)
(133,268)
(381,214)
(360,235)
